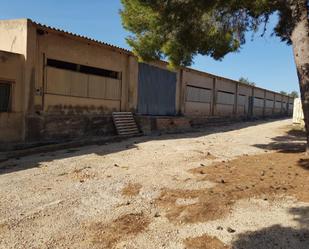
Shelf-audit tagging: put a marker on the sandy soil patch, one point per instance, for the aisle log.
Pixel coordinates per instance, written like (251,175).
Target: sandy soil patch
(108,235)
(266,176)
(132,189)
(204,242)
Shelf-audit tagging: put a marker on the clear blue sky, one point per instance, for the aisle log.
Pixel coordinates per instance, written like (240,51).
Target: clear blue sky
(266,61)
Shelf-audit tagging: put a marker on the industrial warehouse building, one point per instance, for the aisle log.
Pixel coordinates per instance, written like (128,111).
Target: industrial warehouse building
(58,85)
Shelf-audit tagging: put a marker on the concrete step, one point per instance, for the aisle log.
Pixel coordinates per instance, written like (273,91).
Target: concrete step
(125,124)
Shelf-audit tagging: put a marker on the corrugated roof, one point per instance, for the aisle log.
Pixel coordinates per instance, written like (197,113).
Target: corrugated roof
(43,26)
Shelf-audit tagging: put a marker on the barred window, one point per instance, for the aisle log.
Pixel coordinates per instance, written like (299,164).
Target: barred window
(5,97)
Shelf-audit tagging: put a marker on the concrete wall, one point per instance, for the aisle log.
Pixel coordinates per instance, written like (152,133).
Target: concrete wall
(198,94)
(277,104)
(269,103)
(55,46)
(45,97)
(14,41)
(14,36)
(12,122)
(211,95)
(67,96)
(225,100)
(51,103)
(258,102)
(244,93)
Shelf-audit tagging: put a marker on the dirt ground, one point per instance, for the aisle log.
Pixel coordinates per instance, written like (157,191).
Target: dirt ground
(243,186)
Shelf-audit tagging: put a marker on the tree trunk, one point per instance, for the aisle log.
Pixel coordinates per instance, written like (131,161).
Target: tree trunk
(300,41)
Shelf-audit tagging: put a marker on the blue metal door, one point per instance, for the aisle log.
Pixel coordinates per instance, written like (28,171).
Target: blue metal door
(156,91)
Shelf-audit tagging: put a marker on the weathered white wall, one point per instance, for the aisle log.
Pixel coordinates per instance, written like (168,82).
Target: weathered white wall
(14,36)
(298,114)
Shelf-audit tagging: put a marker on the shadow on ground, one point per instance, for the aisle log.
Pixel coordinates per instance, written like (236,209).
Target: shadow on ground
(277,236)
(304,163)
(293,142)
(101,149)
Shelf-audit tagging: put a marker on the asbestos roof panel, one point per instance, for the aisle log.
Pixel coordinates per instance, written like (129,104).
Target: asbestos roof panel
(43,26)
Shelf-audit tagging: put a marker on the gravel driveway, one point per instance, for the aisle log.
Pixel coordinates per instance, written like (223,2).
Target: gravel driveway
(110,196)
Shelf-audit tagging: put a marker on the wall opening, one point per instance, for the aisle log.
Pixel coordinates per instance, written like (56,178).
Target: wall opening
(5,96)
(83,69)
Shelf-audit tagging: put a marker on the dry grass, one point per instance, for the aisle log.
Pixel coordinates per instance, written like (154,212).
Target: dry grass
(132,189)
(3,227)
(265,176)
(204,242)
(108,235)
(83,174)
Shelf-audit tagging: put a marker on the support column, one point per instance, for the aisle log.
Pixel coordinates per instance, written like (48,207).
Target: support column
(251,104)
(264,106)
(132,83)
(182,99)
(236,100)
(287,106)
(274,105)
(281,104)
(214,97)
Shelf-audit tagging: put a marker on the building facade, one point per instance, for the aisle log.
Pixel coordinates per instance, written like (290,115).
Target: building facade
(58,85)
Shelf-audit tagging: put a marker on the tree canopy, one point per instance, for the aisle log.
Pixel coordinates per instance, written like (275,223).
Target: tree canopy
(180,29)
(294,94)
(246,81)
(177,30)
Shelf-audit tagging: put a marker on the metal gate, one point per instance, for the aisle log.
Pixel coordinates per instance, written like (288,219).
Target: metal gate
(156,91)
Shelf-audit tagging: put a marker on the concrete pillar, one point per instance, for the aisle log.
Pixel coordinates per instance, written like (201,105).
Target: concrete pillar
(40,65)
(132,84)
(251,112)
(214,97)
(281,112)
(44,81)
(264,106)
(236,100)
(274,105)
(181,99)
